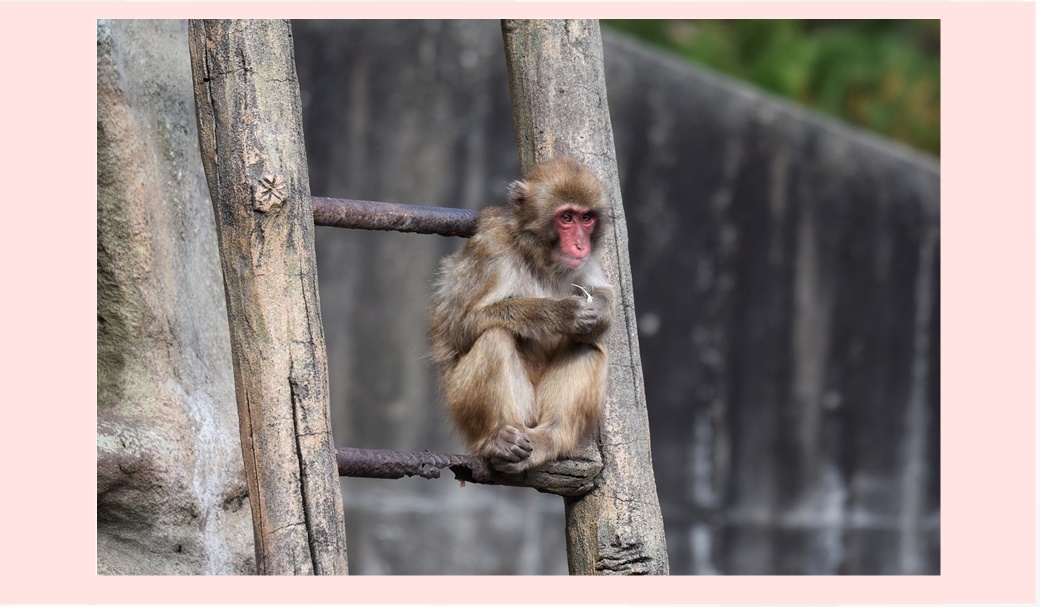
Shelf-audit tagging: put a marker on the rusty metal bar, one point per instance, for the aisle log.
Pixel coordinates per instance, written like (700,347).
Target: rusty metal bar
(371,215)
(569,478)
(384,463)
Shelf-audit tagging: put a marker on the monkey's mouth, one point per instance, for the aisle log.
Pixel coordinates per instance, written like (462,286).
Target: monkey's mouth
(571,261)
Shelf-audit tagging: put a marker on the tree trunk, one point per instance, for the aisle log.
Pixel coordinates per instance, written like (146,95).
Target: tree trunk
(251,138)
(560,109)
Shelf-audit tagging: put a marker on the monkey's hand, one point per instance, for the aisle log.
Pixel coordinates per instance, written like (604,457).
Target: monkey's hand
(591,316)
(508,450)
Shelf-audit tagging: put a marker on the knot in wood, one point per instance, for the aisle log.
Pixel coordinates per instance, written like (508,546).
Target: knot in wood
(270,194)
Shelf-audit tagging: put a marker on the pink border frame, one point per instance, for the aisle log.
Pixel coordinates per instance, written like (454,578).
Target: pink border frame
(988,322)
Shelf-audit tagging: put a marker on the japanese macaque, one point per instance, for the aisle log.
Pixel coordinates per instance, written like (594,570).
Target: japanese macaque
(519,319)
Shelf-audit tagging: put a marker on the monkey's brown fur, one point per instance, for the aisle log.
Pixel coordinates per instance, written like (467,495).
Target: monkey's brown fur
(518,347)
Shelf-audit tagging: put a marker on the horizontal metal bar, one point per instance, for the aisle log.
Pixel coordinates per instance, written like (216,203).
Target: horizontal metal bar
(384,463)
(570,478)
(371,215)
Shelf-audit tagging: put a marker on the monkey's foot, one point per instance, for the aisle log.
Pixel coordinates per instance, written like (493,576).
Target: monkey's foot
(509,449)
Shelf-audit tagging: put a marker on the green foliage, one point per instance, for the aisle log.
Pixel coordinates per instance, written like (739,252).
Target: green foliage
(879,74)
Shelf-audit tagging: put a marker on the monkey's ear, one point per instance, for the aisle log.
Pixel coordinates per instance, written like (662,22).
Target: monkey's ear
(519,191)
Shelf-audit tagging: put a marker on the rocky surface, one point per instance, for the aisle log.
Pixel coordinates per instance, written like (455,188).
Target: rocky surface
(171,493)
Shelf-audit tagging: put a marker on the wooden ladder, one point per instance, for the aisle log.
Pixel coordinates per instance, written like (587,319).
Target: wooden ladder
(251,139)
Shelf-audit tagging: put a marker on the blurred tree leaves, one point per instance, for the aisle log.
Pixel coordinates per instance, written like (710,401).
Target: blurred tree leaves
(879,74)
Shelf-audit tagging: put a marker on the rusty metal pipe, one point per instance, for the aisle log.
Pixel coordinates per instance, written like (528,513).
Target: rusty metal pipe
(384,463)
(569,478)
(371,215)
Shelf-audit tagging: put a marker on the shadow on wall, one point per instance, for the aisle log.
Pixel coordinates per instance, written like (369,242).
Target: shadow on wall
(786,282)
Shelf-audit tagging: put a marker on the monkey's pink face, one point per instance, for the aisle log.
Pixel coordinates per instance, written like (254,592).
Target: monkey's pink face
(575,226)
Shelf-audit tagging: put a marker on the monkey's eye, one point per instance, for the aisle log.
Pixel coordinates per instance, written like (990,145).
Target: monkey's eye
(566,217)
(588,217)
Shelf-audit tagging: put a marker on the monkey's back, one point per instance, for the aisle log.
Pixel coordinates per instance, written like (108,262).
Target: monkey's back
(463,281)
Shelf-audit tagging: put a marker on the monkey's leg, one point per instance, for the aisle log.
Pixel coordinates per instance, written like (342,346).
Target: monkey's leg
(492,400)
(568,402)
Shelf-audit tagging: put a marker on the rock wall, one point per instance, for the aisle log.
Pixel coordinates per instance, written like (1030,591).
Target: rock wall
(171,494)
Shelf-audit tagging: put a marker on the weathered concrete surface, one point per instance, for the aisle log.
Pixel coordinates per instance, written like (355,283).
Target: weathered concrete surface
(171,493)
(787,291)
(786,286)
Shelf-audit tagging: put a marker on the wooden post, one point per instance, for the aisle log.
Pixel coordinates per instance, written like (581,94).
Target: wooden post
(560,109)
(250,133)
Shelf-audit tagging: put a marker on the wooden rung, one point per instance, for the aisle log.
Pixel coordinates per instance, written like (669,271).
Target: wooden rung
(370,215)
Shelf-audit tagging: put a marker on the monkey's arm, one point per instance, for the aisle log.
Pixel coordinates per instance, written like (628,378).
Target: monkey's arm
(535,317)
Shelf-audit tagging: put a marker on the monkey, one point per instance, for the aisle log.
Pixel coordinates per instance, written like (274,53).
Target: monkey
(519,317)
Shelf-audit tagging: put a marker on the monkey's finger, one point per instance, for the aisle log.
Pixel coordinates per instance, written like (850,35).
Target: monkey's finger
(511,444)
(585,324)
(511,453)
(509,468)
(517,451)
(508,452)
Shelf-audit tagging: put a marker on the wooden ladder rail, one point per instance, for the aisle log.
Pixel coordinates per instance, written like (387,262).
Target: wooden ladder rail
(248,107)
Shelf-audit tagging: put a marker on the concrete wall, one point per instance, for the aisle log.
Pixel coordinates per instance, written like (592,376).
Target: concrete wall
(786,273)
